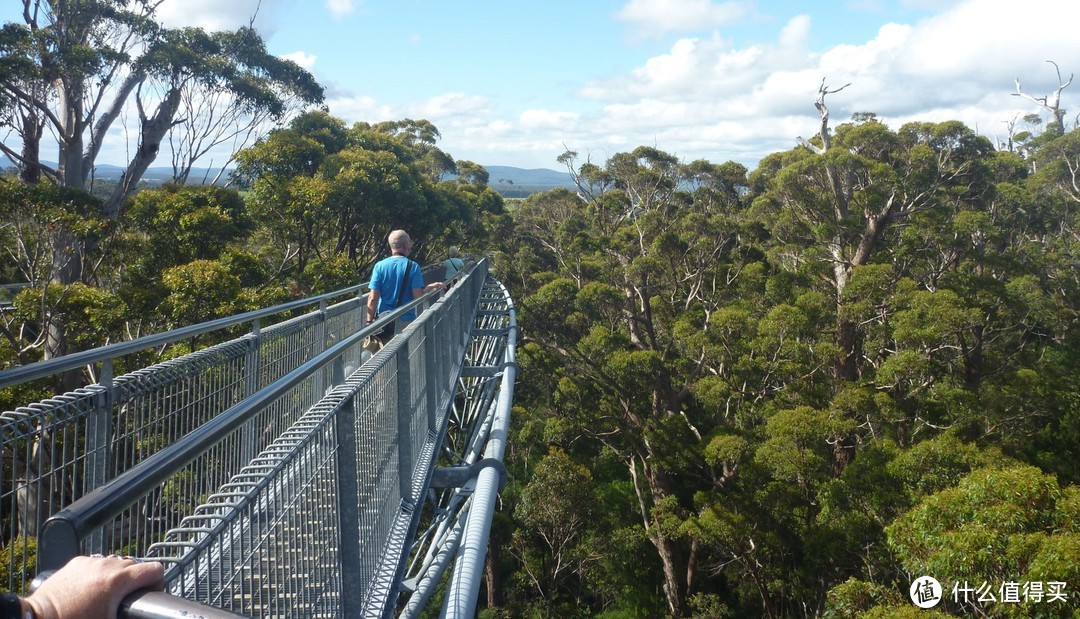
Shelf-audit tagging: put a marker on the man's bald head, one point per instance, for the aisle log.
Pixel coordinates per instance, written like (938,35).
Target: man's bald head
(400,242)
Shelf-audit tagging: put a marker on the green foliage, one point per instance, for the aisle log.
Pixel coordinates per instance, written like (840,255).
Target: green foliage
(791,364)
(199,291)
(854,598)
(996,525)
(797,447)
(93,317)
(780,392)
(183,224)
(18,563)
(317,187)
(34,215)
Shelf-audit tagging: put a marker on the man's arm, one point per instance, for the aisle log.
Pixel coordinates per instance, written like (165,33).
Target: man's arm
(372,304)
(419,292)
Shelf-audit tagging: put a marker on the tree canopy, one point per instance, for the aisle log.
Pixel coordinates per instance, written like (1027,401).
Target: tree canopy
(797,388)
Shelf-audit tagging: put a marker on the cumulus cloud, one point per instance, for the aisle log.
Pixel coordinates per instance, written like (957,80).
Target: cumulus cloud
(707,96)
(339,9)
(547,119)
(305,60)
(451,105)
(353,109)
(692,66)
(658,17)
(214,15)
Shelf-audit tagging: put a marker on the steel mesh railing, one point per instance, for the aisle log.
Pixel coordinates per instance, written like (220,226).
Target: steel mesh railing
(290,476)
(356,465)
(57,450)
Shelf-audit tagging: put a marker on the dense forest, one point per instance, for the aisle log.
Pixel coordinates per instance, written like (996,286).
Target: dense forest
(791,391)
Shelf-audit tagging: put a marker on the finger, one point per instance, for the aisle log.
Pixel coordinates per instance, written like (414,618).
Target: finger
(148,575)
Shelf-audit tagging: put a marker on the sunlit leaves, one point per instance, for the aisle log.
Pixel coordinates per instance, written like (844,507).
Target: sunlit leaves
(799,444)
(33,214)
(92,316)
(888,317)
(726,450)
(184,224)
(199,291)
(995,525)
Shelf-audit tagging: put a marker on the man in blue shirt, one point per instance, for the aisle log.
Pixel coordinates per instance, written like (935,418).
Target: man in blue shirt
(389,288)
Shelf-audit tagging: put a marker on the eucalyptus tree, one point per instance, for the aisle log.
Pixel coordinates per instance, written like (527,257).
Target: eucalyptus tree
(730,339)
(621,283)
(71,70)
(323,190)
(286,198)
(421,137)
(97,57)
(840,203)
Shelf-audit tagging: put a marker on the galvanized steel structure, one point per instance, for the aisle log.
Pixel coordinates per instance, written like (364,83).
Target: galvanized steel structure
(283,471)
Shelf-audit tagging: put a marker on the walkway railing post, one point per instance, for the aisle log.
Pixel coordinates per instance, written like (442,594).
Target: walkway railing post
(252,370)
(254,358)
(432,370)
(322,332)
(99,433)
(404,413)
(352,585)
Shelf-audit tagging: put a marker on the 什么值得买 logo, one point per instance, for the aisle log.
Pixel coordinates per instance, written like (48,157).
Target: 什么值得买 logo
(925,592)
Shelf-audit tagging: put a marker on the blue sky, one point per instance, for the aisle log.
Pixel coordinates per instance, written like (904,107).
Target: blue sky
(517,82)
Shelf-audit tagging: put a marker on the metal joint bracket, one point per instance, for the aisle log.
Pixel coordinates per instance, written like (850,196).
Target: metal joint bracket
(459,476)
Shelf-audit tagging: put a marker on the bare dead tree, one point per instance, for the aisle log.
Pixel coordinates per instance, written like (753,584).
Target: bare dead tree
(212,119)
(1052,102)
(824,90)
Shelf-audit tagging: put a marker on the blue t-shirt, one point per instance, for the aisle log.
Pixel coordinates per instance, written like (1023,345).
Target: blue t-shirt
(386,278)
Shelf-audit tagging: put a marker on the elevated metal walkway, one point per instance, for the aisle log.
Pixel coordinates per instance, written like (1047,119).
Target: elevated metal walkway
(282,472)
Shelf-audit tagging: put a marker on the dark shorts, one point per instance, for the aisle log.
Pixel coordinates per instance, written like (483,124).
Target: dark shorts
(387,333)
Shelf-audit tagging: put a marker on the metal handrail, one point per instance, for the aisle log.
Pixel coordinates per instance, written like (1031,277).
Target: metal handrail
(50,367)
(464,347)
(75,360)
(464,588)
(161,605)
(61,534)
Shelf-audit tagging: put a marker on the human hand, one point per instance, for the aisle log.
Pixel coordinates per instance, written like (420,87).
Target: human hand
(93,587)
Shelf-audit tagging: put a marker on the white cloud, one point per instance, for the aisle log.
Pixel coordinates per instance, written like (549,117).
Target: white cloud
(339,9)
(657,17)
(710,96)
(707,97)
(547,119)
(692,68)
(451,105)
(305,60)
(796,32)
(353,109)
(214,15)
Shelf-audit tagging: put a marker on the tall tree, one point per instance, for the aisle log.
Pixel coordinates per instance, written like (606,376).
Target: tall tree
(630,274)
(841,199)
(74,67)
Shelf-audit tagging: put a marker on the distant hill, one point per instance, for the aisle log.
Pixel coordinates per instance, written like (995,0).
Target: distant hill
(110,172)
(509,181)
(518,182)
